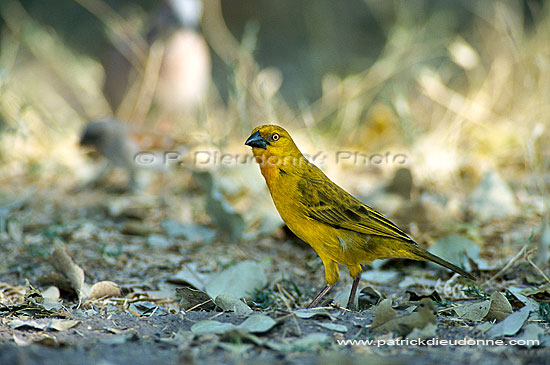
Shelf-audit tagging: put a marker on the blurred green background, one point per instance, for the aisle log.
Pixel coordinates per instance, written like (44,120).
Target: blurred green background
(304,39)
(469,78)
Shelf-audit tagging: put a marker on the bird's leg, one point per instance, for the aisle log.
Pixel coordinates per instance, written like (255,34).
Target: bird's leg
(319,296)
(351,300)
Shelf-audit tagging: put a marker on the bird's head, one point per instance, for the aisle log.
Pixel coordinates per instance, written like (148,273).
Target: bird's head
(273,145)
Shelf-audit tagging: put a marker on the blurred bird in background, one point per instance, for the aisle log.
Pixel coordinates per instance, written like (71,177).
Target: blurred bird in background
(130,149)
(180,82)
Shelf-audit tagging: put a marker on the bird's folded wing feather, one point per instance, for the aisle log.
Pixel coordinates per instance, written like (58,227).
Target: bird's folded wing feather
(327,203)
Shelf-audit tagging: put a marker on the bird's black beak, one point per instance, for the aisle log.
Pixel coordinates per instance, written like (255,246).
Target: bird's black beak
(256,140)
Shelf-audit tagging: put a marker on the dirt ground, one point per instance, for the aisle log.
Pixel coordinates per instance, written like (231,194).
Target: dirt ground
(110,235)
(152,340)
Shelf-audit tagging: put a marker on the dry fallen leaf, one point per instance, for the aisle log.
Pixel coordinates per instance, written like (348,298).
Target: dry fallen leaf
(189,275)
(257,323)
(52,293)
(240,280)
(32,295)
(511,324)
(500,307)
(104,289)
(408,323)
(474,311)
(26,324)
(231,303)
(497,308)
(57,324)
(51,298)
(63,263)
(383,313)
(313,313)
(62,324)
(49,341)
(192,299)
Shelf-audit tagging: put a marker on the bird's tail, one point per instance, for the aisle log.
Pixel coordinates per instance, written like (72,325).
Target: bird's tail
(425,255)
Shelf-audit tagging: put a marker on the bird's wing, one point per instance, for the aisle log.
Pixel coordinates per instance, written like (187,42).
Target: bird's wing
(328,203)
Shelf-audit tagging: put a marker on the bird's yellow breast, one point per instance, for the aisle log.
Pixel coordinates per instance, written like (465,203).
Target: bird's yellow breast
(342,246)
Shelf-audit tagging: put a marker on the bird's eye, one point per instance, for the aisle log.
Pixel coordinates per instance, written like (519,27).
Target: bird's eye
(275,137)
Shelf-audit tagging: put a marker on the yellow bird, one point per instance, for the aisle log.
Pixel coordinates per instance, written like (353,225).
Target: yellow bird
(339,227)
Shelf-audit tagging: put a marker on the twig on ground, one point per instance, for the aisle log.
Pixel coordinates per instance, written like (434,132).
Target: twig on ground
(508,265)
